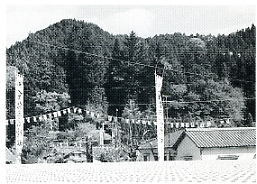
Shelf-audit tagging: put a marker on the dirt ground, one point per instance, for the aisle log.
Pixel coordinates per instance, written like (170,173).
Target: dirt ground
(170,171)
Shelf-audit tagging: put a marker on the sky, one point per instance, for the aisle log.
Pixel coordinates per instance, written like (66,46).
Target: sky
(145,20)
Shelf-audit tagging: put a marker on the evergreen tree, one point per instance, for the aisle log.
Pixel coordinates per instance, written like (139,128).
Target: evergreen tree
(74,57)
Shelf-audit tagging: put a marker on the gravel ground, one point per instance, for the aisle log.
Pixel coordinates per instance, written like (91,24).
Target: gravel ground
(171,171)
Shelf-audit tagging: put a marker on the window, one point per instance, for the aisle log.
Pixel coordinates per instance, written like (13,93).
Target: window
(188,158)
(228,157)
(145,158)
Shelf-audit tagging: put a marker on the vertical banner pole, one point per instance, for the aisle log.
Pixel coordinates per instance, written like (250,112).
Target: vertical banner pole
(19,111)
(160,119)
(102,135)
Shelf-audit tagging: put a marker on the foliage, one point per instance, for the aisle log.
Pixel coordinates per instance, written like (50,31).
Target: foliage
(38,141)
(249,120)
(134,132)
(217,99)
(50,101)
(10,93)
(112,154)
(99,69)
(35,144)
(131,110)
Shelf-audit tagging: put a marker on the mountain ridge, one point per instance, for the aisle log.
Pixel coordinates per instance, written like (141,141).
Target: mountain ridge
(87,59)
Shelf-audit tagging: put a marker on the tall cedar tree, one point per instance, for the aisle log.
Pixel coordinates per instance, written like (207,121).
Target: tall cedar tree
(69,56)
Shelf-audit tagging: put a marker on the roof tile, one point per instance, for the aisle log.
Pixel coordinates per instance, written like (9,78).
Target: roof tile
(222,137)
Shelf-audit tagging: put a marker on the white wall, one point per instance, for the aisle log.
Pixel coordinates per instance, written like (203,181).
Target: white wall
(244,153)
(188,148)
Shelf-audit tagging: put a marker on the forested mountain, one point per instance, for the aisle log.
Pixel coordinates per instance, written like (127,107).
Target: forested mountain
(204,76)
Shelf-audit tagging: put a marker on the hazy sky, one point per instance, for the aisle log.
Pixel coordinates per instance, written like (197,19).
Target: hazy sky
(144,20)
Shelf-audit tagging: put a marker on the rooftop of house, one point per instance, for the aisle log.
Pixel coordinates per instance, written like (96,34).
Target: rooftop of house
(208,138)
(169,141)
(221,137)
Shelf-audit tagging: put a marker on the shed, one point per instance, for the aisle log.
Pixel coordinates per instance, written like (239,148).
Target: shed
(216,143)
(148,151)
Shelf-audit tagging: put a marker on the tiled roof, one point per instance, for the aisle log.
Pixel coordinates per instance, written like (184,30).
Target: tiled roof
(9,156)
(169,140)
(222,137)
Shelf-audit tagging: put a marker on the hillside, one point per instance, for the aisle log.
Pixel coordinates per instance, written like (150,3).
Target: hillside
(94,67)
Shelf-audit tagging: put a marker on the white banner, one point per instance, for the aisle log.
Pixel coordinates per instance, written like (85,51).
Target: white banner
(64,111)
(92,114)
(102,135)
(75,110)
(44,117)
(55,114)
(19,113)
(28,119)
(59,113)
(109,118)
(160,118)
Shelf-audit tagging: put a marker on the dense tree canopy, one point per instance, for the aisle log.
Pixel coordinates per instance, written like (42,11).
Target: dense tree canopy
(203,75)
